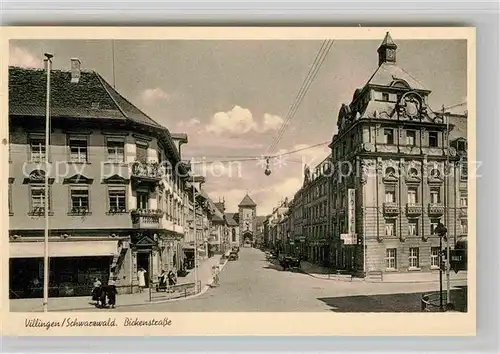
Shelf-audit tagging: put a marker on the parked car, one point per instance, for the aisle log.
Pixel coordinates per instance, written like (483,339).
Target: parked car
(233,256)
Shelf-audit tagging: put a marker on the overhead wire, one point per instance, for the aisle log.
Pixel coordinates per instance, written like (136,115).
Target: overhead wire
(313,72)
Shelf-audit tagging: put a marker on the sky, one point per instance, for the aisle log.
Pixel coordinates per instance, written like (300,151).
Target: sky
(231,97)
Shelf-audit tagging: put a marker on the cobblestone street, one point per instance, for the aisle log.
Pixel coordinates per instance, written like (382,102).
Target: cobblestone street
(253,284)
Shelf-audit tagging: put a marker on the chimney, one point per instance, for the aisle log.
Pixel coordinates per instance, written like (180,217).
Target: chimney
(75,70)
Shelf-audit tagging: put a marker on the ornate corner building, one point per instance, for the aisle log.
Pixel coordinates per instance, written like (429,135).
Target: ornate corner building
(399,169)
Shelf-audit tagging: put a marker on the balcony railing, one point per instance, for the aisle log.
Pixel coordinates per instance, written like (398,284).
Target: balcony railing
(146,218)
(413,209)
(150,171)
(436,209)
(391,208)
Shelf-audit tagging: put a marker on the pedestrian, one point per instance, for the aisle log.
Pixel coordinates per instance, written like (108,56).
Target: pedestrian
(111,292)
(163,281)
(141,275)
(96,291)
(171,280)
(102,297)
(216,275)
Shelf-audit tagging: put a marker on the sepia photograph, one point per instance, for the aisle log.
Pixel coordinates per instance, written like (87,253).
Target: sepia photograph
(250,175)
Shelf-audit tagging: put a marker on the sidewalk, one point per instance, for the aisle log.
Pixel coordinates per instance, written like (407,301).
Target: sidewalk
(205,274)
(320,272)
(61,304)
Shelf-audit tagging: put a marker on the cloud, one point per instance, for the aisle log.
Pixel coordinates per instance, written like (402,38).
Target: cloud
(236,121)
(152,96)
(271,122)
(240,121)
(23,58)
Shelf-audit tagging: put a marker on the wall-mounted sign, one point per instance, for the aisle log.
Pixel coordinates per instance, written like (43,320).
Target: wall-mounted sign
(351,211)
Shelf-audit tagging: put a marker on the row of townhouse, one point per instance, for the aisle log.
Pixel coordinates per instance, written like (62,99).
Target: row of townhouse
(396,170)
(120,196)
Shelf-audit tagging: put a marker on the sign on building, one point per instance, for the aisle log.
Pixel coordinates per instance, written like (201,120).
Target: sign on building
(351,211)
(349,239)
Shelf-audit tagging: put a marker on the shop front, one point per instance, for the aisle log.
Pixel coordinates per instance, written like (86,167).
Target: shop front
(72,267)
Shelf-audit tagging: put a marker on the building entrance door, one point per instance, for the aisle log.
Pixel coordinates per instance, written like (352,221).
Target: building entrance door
(143,261)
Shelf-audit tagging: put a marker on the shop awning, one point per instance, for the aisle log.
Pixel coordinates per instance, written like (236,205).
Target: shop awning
(64,249)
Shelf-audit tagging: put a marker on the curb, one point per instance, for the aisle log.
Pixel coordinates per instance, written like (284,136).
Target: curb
(203,291)
(380,282)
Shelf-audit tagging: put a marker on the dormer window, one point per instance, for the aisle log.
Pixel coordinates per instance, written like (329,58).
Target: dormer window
(461,145)
(433,139)
(389,136)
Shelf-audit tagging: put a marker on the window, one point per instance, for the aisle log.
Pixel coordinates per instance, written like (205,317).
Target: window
(435,196)
(80,201)
(38,199)
(233,235)
(412,196)
(434,224)
(78,149)
(411,137)
(434,257)
(463,170)
(116,151)
(388,136)
(390,227)
(463,227)
(461,146)
(141,152)
(142,200)
(390,196)
(390,258)
(463,199)
(385,96)
(117,200)
(414,261)
(37,149)
(433,139)
(413,227)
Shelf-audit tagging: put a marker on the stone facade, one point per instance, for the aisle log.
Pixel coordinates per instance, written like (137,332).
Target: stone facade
(395,171)
(114,204)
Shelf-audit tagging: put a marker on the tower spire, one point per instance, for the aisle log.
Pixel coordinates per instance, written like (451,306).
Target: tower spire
(387,50)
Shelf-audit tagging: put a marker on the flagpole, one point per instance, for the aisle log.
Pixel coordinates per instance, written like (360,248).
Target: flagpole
(46,189)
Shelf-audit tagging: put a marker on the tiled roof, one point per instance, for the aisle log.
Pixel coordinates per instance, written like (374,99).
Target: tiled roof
(387,73)
(220,206)
(230,219)
(247,202)
(91,97)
